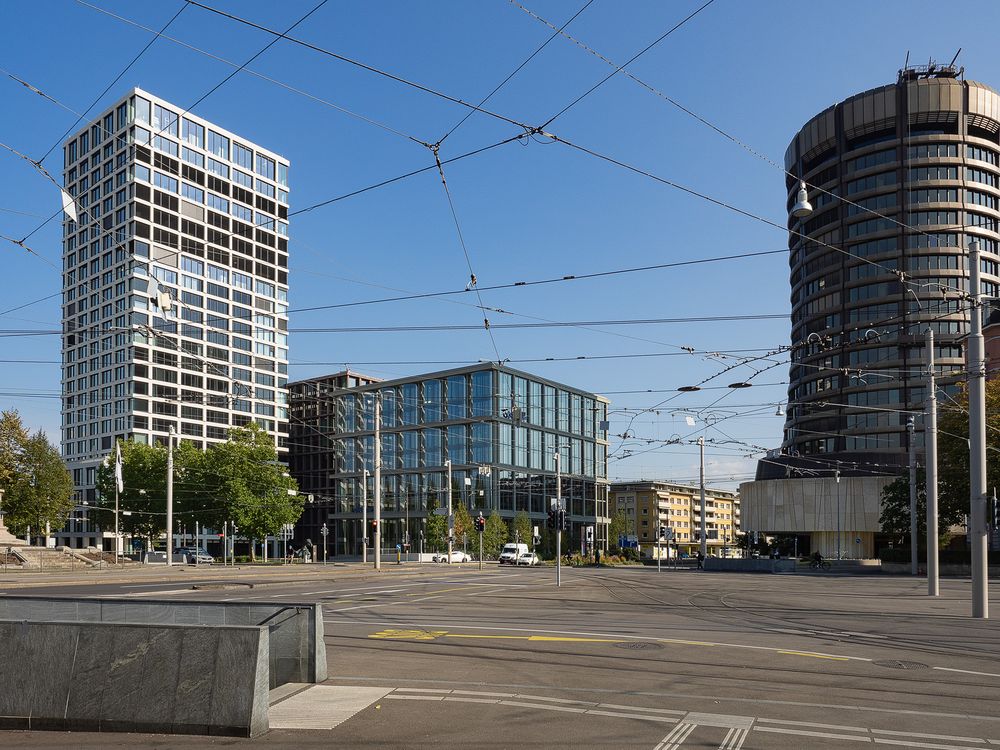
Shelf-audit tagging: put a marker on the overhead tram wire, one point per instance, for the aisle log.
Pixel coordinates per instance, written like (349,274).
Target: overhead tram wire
(552,280)
(363,66)
(204,96)
(708,123)
(631,60)
(261,76)
(121,244)
(514,72)
(117,78)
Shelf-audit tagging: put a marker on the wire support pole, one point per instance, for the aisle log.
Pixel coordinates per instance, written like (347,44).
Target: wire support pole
(977,442)
(930,447)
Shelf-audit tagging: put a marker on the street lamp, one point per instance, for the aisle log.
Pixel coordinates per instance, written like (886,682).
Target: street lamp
(451,525)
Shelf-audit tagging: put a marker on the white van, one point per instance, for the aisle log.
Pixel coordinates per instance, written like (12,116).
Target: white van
(511,552)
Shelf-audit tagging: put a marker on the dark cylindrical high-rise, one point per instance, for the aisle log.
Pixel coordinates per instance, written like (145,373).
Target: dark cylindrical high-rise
(900,178)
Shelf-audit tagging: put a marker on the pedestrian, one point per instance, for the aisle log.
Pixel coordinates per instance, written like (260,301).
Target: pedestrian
(701,560)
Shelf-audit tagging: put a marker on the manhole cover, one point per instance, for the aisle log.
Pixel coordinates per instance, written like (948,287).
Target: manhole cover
(636,645)
(896,664)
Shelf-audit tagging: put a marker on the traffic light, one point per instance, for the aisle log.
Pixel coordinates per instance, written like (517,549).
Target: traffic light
(374,526)
(552,519)
(480,524)
(563,521)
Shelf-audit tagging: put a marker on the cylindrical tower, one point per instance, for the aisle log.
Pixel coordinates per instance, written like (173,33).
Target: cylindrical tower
(900,178)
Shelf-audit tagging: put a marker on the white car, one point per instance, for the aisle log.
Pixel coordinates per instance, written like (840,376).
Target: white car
(457,556)
(511,552)
(528,558)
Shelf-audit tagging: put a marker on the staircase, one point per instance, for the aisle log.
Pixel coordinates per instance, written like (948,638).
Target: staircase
(58,558)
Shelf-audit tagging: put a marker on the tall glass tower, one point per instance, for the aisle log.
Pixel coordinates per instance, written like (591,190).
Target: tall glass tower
(175,288)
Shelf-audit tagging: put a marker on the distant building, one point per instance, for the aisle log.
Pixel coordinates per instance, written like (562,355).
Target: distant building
(651,504)
(900,179)
(498,427)
(991,334)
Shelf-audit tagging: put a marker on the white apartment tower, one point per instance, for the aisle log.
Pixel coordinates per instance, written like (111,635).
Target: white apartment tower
(175,289)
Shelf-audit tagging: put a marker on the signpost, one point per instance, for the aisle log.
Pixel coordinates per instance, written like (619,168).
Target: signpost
(324,531)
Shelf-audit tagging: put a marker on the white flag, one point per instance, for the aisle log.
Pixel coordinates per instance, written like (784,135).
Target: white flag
(69,205)
(118,467)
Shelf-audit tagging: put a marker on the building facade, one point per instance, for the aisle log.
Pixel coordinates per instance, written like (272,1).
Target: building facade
(649,505)
(175,289)
(498,428)
(901,178)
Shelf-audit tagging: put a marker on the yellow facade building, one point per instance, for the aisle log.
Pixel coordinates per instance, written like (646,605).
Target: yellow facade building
(649,504)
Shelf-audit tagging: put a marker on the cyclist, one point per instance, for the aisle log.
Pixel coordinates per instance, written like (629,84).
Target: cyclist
(817,559)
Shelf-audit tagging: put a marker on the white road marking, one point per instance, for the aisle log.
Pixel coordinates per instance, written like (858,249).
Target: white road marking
(927,736)
(803,733)
(811,724)
(323,706)
(735,739)
(968,671)
(676,737)
(930,745)
(718,720)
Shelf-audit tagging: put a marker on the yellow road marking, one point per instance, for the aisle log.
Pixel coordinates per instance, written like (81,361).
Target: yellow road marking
(686,643)
(411,635)
(815,656)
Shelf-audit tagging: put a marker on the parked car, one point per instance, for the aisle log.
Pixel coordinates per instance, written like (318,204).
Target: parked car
(195,554)
(527,558)
(511,552)
(457,556)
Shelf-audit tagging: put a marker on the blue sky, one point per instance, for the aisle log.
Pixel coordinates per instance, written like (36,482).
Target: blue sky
(540,210)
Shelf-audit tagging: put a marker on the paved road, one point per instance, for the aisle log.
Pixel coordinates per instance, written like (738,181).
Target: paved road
(617,658)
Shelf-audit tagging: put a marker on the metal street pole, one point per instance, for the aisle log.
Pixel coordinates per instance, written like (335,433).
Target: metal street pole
(451,529)
(839,548)
(170,496)
(930,448)
(378,482)
(325,531)
(558,521)
(364,516)
(977,442)
(701,483)
(197,562)
(659,546)
(914,557)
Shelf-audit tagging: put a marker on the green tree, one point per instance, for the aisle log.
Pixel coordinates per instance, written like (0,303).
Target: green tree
(436,528)
(895,516)
(252,489)
(522,528)
(495,536)
(41,491)
(144,488)
(953,448)
(617,528)
(13,436)
(464,527)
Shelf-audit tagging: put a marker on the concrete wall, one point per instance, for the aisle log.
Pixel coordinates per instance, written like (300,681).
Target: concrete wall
(297,652)
(94,676)
(817,506)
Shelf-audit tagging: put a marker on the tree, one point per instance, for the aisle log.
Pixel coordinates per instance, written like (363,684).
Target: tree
(953,448)
(895,516)
(618,527)
(464,528)
(522,528)
(252,488)
(41,489)
(436,528)
(495,536)
(13,436)
(144,488)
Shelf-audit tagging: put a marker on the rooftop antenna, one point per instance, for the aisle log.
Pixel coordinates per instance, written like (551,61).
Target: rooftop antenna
(952,63)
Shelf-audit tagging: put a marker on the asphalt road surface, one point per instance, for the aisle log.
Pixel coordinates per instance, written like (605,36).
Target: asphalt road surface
(442,656)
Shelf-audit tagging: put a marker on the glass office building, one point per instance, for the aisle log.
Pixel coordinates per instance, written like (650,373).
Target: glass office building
(500,429)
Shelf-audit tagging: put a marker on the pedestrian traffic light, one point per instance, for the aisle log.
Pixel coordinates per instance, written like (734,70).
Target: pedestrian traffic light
(552,519)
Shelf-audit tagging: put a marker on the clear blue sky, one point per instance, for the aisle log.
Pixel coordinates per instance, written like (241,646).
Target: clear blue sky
(756,69)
